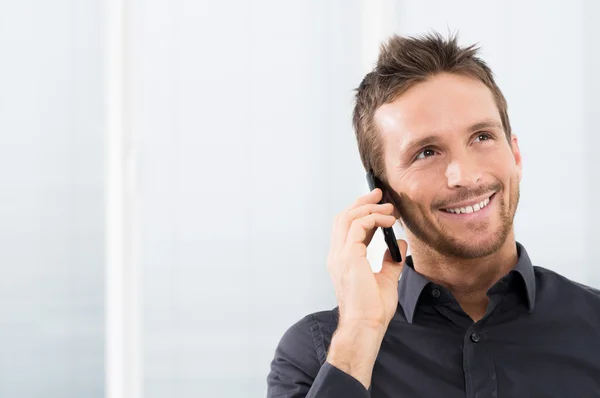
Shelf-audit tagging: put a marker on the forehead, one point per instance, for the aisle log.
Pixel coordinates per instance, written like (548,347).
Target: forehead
(444,104)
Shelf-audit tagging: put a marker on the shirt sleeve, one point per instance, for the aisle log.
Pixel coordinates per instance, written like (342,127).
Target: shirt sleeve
(299,369)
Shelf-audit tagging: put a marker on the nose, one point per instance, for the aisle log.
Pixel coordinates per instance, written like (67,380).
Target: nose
(463,172)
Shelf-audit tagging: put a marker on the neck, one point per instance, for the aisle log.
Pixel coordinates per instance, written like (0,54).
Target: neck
(467,279)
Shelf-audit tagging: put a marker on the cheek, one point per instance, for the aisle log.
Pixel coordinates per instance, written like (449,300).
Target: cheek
(502,166)
(410,185)
(499,156)
(419,186)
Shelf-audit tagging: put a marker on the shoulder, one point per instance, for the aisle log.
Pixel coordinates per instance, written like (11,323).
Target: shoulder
(301,352)
(311,334)
(550,280)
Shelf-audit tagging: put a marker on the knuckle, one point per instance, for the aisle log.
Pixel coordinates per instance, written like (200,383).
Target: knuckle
(357,249)
(357,222)
(373,217)
(351,214)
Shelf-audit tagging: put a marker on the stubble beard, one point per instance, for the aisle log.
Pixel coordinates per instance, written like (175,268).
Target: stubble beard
(444,242)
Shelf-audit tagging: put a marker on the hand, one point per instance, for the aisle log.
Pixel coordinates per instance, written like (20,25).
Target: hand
(364,298)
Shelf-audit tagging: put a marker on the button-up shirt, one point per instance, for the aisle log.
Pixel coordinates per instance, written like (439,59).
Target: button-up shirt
(540,337)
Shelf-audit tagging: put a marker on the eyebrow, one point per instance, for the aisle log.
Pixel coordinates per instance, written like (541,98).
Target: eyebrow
(485,124)
(434,139)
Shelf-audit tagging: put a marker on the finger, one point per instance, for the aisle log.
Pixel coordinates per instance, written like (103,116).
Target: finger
(345,220)
(388,209)
(340,226)
(362,229)
(365,210)
(390,268)
(372,197)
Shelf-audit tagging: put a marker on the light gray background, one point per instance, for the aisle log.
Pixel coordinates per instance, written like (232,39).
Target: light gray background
(247,154)
(51,185)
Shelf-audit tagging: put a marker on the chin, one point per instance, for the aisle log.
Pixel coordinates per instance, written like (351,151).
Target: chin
(479,249)
(477,245)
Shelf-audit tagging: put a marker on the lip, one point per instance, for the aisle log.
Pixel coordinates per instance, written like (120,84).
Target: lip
(475,215)
(471,202)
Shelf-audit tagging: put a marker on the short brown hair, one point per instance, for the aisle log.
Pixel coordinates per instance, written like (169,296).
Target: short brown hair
(403,62)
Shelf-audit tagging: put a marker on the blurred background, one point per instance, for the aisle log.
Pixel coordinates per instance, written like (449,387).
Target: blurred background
(170,171)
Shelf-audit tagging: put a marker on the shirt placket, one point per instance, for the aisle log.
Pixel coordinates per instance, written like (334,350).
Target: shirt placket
(478,365)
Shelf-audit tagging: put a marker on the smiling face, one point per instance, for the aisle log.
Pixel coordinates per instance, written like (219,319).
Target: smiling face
(446,155)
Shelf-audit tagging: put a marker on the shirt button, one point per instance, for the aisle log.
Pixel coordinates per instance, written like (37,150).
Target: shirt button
(475,337)
(436,293)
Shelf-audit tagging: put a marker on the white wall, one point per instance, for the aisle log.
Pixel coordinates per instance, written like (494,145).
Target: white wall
(248,153)
(51,219)
(591,54)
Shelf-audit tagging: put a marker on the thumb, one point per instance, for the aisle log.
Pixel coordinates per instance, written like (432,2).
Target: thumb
(390,268)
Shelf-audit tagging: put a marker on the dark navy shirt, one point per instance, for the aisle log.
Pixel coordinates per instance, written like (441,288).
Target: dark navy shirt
(540,337)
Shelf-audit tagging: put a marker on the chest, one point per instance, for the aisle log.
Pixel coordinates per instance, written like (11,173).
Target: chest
(545,360)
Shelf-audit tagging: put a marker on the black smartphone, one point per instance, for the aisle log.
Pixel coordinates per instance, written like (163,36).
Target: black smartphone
(388,233)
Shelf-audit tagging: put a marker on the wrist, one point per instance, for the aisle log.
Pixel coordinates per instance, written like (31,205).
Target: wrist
(361,325)
(354,349)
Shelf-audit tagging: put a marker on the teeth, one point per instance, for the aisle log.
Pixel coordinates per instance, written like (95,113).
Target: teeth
(470,209)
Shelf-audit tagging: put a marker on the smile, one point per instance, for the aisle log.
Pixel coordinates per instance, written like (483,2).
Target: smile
(470,208)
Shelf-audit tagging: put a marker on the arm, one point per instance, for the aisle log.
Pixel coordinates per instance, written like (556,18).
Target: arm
(297,372)
(367,302)
(354,350)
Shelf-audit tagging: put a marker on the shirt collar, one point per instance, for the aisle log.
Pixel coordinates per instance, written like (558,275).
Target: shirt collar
(412,283)
(524,267)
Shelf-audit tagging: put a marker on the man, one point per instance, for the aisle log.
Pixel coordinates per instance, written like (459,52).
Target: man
(470,315)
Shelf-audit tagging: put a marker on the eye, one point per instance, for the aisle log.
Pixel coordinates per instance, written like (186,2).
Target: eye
(483,136)
(427,152)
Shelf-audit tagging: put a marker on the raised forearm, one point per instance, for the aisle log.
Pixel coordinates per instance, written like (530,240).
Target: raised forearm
(354,350)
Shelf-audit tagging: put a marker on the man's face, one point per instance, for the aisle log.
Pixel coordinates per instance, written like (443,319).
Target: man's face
(445,149)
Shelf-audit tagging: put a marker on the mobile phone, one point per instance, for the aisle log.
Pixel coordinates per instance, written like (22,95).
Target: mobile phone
(388,233)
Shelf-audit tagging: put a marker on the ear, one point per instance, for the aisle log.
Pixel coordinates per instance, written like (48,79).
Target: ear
(514,143)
